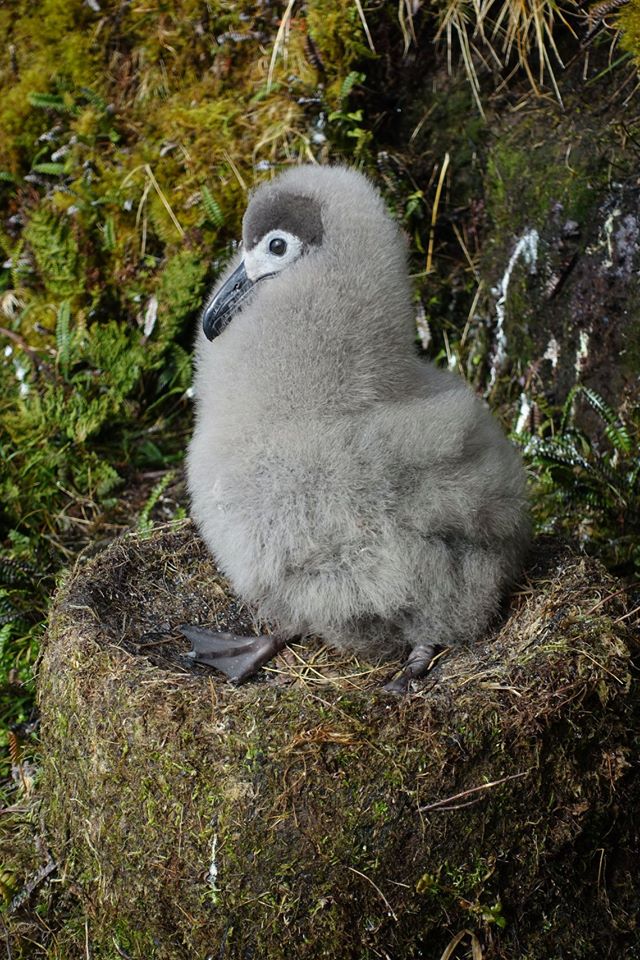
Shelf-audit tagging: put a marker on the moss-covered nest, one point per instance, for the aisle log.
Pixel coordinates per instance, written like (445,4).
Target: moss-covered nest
(308,814)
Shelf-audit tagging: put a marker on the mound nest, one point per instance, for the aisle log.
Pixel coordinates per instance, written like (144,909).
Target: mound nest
(308,814)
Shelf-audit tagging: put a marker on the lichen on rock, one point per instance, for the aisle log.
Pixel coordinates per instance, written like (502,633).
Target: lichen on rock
(307,814)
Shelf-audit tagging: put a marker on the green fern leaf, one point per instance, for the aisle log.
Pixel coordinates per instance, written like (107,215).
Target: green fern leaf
(145,523)
(212,208)
(558,450)
(615,430)
(48,101)
(63,337)
(567,410)
(349,82)
(56,252)
(52,169)
(618,436)
(94,99)
(596,501)
(16,268)
(13,573)
(7,618)
(109,233)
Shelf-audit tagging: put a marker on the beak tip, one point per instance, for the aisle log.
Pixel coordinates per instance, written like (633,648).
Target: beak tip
(220,309)
(208,321)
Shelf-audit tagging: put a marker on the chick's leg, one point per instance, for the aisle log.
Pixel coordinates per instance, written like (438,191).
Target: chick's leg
(418,663)
(236,656)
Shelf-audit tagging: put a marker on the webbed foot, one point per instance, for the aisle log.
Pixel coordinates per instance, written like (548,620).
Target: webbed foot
(236,656)
(418,663)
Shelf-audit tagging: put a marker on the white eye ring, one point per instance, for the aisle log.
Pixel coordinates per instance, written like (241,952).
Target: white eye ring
(262,261)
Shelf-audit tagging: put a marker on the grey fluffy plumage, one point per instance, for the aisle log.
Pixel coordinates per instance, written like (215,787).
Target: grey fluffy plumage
(346,487)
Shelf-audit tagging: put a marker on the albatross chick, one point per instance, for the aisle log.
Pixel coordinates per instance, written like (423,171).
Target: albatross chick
(346,487)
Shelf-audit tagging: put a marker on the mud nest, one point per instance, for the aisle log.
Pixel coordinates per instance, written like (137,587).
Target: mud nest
(308,814)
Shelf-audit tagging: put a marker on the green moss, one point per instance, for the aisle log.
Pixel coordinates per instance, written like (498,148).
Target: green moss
(529,177)
(57,257)
(338,33)
(180,293)
(628,21)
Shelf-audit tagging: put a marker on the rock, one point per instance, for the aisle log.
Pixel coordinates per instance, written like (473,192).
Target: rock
(308,814)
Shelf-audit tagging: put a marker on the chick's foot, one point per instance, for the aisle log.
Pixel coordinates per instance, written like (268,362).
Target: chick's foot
(418,664)
(236,656)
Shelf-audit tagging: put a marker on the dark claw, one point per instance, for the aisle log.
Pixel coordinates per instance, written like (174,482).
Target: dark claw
(399,685)
(237,657)
(418,663)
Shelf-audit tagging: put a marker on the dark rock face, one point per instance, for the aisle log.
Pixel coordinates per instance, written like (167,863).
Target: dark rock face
(576,314)
(307,814)
(597,310)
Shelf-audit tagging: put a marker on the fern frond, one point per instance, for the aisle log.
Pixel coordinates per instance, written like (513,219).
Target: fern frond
(557,451)
(94,99)
(8,618)
(349,82)
(50,101)
(16,256)
(52,169)
(595,500)
(9,613)
(6,606)
(144,522)
(13,572)
(212,208)
(109,233)
(55,249)
(618,436)
(63,336)
(615,430)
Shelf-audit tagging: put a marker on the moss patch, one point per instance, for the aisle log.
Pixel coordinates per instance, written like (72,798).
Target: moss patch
(308,814)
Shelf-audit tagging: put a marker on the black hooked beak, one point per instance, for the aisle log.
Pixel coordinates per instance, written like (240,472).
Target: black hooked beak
(220,309)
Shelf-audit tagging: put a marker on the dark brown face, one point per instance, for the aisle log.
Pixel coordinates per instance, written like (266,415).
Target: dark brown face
(278,229)
(293,213)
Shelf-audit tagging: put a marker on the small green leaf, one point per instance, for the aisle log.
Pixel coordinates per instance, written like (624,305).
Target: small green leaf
(49,101)
(63,336)
(212,208)
(53,169)
(109,233)
(349,82)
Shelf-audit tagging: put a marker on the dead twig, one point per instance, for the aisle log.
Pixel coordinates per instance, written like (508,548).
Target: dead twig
(120,951)
(611,596)
(476,949)
(434,213)
(437,804)
(627,615)
(378,891)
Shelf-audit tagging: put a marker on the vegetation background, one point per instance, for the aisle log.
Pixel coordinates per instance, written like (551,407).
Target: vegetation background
(505,137)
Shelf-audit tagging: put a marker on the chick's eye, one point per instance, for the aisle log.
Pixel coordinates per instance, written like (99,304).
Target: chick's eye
(278,246)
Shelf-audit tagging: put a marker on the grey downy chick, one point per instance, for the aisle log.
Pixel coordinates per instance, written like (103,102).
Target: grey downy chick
(345,487)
